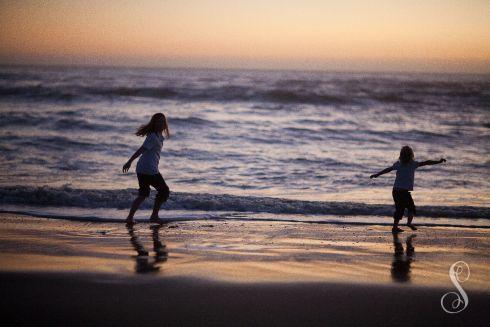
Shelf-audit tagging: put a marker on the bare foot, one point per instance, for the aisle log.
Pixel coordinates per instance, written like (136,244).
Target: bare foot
(396,230)
(412,227)
(130,222)
(157,220)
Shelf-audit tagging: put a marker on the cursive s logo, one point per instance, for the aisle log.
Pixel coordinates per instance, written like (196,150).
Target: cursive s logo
(453,302)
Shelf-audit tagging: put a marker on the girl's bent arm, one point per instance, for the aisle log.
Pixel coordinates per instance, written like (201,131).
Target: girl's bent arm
(431,162)
(138,152)
(384,171)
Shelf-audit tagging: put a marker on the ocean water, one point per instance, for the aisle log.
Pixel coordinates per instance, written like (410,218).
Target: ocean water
(268,142)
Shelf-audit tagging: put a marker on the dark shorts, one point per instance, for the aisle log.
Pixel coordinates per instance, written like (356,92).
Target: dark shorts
(403,200)
(156,181)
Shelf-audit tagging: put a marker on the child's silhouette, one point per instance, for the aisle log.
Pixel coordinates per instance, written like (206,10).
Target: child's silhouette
(147,167)
(405,172)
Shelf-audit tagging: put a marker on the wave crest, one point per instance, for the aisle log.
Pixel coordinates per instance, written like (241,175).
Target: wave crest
(122,198)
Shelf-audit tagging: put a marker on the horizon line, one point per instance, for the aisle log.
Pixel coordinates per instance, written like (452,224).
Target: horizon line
(197,67)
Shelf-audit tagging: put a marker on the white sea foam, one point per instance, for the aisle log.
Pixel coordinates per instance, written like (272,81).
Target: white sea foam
(121,199)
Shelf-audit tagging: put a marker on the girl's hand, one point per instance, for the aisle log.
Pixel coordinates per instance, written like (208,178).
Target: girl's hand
(442,160)
(126,167)
(373,176)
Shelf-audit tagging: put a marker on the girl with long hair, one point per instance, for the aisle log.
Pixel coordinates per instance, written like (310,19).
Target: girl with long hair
(147,166)
(405,174)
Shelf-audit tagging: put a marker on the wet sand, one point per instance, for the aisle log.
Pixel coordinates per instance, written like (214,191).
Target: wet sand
(236,273)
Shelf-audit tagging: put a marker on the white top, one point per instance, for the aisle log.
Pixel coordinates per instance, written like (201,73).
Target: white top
(405,174)
(148,162)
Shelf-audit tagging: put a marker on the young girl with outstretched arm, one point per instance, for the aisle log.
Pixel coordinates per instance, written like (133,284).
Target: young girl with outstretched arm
(405,172)
(147,166)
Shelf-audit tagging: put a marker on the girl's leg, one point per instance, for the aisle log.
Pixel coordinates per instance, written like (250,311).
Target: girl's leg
(134,207)
(409,217)
(409,220)
(156,207)
(143,192)
(399,209)
(411,212)
(397,216)
(395,227)
(162,196)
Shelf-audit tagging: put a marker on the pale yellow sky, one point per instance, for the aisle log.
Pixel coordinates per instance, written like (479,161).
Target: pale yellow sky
(436,35)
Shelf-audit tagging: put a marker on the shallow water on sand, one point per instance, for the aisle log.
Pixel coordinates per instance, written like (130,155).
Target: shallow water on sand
(247,252)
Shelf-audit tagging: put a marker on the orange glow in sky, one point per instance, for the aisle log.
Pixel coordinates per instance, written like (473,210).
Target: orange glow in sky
(441,35)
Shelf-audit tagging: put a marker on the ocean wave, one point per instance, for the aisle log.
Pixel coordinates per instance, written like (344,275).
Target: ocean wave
(195,121)
(231,93)
(62,143)
(224,93)
(151,92)
(38,92)
(14,118)
(122,199)
(83,124)
(303,92)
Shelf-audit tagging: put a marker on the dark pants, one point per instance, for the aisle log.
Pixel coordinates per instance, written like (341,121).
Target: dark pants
(157,182)
(403,200)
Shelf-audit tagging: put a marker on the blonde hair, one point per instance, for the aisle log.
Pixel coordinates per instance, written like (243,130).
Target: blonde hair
(151,127)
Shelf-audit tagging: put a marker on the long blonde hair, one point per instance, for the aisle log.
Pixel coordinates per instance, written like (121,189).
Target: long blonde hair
(151,127)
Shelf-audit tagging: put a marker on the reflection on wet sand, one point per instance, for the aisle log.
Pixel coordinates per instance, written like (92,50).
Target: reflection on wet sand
(400,267)
(235,251)
(144,264)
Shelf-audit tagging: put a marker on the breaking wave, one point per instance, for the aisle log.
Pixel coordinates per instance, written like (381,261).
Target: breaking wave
(122,198)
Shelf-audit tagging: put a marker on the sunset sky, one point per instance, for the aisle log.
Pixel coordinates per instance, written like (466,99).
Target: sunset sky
(433,35)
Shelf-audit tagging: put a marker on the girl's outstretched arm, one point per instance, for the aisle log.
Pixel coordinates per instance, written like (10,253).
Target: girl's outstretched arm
(384,171)
(138,152)
(431,162)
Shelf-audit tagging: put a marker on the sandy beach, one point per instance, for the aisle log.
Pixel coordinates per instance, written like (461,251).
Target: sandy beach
(275,146)
(240,273)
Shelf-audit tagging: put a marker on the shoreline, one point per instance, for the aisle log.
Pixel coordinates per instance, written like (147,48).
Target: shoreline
(257,218)
(243,273)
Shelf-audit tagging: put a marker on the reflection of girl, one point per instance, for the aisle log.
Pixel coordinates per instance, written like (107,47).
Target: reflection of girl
(400,267)
(147,166)
(405,172)
(143,262)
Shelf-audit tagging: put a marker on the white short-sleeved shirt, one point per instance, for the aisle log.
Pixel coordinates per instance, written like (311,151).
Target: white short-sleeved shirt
(148,162)
(405,174)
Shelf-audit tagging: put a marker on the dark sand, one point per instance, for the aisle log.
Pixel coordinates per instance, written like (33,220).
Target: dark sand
(233,273)
(88,300)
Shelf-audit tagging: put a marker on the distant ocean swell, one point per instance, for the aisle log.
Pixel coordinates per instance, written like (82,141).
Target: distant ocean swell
(295,92)
(121,199)
(60,121)
(351,130)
